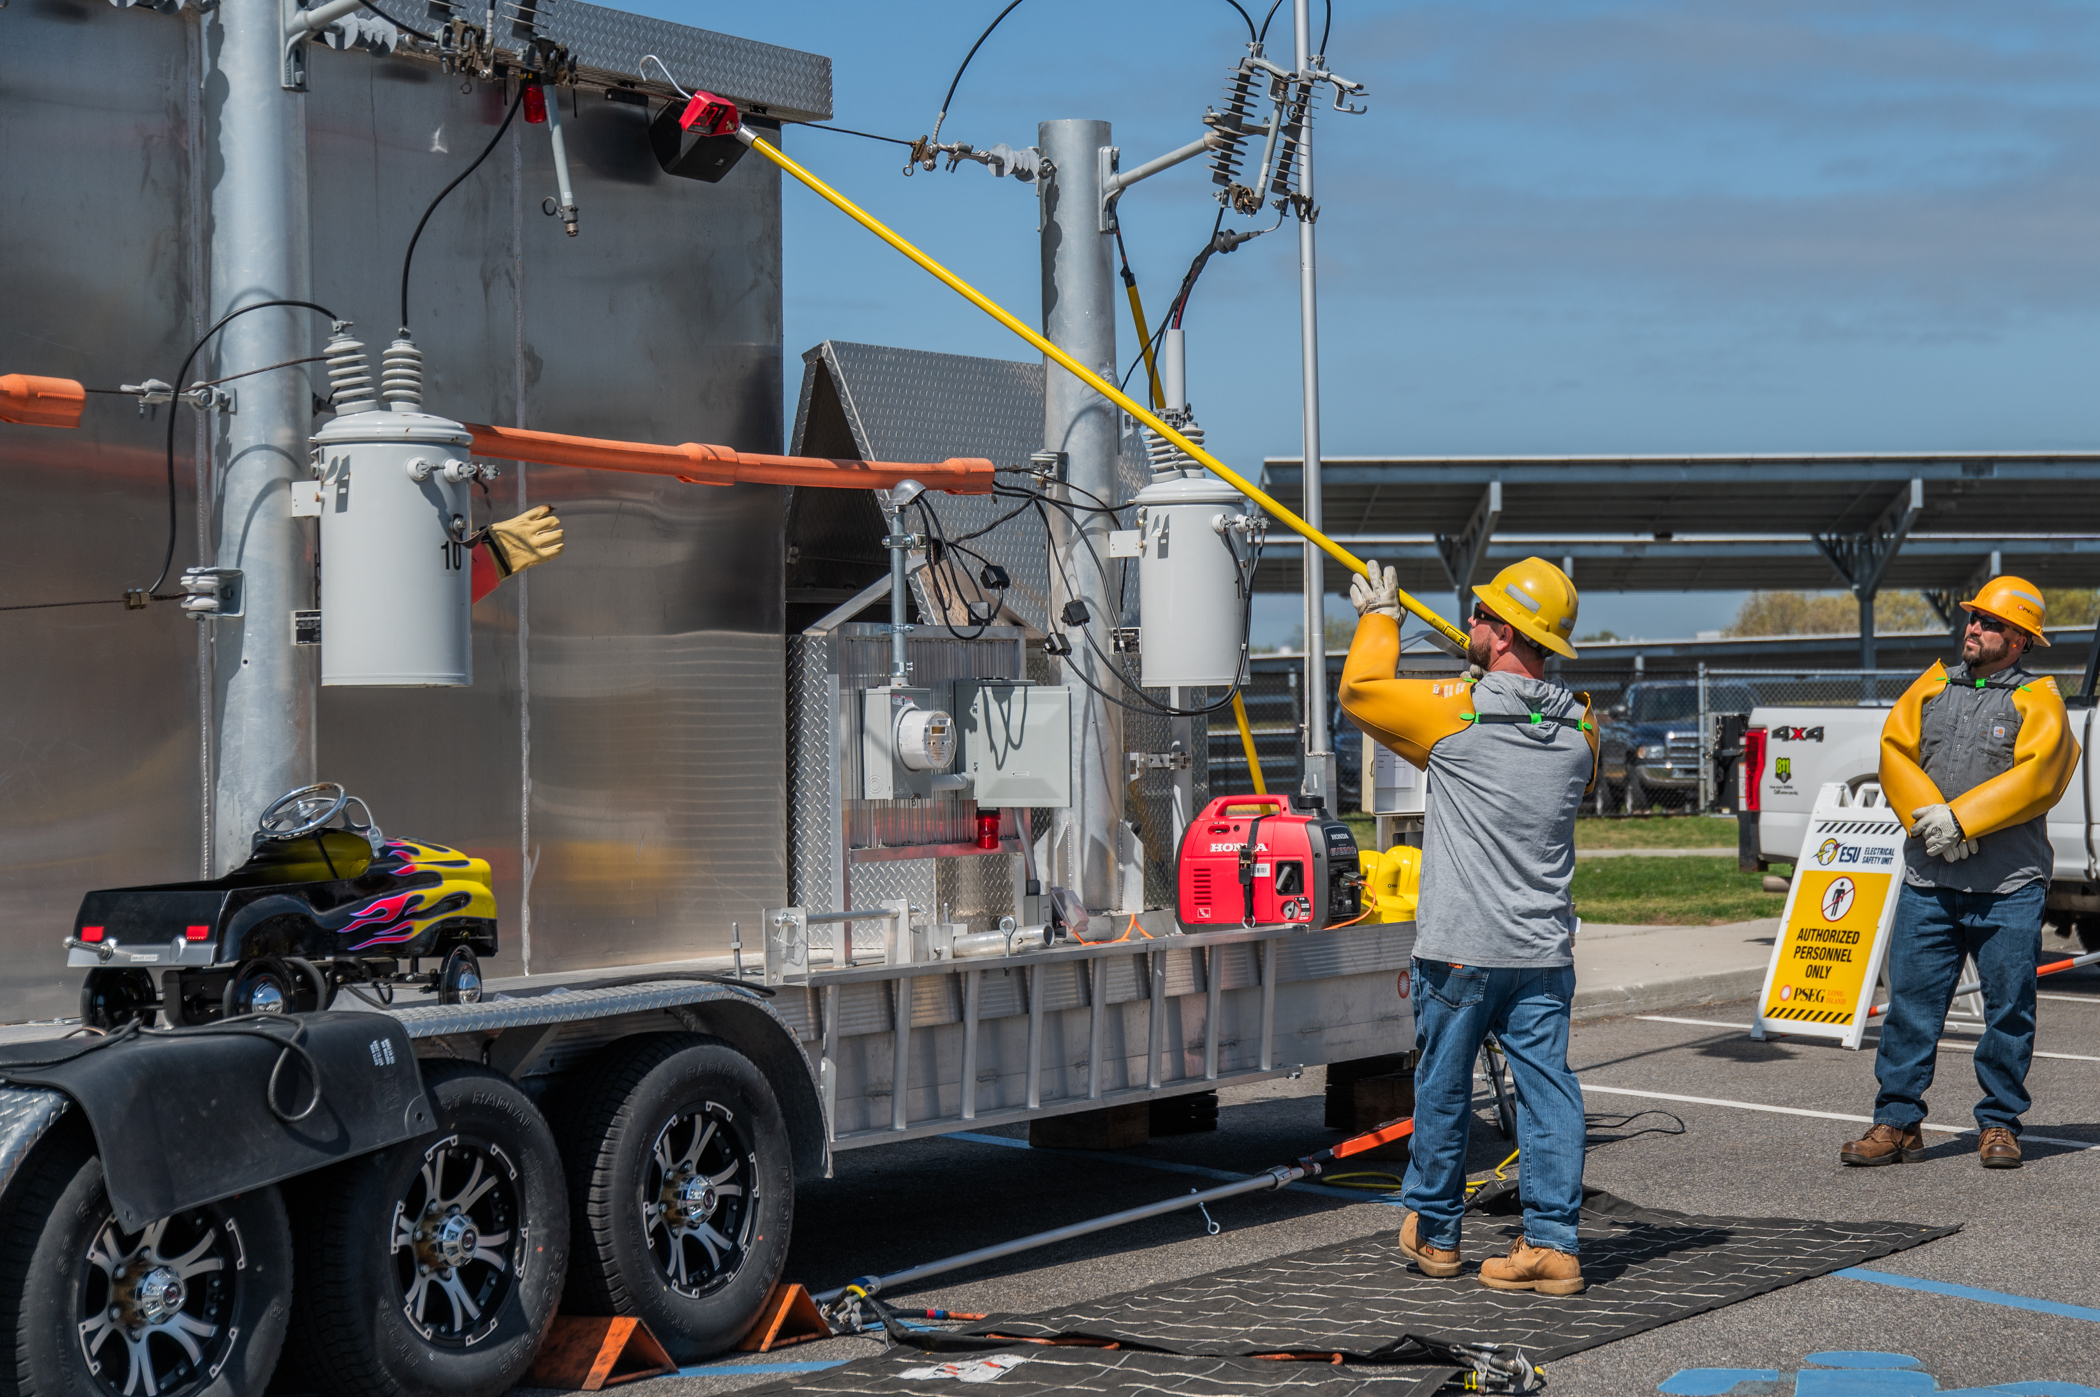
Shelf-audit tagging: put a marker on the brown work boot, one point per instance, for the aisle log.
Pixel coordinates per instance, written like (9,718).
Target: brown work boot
(1886,1144)
(1527,1267)
(1433,1260)
(1998,1149)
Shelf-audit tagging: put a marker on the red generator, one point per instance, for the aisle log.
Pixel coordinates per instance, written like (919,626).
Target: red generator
(1261,860)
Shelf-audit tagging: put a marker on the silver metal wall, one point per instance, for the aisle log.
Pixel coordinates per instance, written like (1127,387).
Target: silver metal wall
(620,757)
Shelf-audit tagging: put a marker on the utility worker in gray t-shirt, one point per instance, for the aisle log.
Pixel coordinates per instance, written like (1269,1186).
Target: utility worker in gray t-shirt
(1972,760)
(1509,756)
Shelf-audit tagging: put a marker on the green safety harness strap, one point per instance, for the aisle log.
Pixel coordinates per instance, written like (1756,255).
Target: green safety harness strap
(1533,720)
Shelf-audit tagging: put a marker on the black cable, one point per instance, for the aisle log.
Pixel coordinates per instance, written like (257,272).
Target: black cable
(1326,29)
(486,150)
(934,583)
(167,561)
(957,81)
(848,131)
(426,38)
(1600,1121)
(1263,37)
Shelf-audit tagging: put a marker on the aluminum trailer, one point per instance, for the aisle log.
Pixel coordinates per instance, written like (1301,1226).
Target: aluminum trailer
(626,761)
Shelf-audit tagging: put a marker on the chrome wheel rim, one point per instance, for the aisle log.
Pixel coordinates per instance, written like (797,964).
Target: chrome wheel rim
(699,1197)
(455,1241)
(157,1304)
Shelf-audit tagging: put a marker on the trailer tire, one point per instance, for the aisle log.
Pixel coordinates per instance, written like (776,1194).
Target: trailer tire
(716,1116)
(232,1313)
(487,1186)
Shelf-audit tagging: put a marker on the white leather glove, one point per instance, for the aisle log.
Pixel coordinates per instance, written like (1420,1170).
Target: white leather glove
(1959,850)
(1936,825)
(1475,673)
(1378,593)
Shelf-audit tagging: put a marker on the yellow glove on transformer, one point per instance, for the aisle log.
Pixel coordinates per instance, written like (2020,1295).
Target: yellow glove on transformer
(1378,594)
(526,541)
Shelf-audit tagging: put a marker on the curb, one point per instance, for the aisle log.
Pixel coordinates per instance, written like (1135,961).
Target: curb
(1656,996)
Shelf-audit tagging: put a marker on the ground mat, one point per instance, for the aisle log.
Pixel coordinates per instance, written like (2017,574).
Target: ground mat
(1038,1371)
(1360,1299)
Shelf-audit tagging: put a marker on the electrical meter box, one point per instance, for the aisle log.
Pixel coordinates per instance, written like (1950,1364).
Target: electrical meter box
(1016,742)
(1392,785)
(904,742)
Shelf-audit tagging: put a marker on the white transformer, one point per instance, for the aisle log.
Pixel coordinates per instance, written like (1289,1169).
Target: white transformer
(396,597)
(1188,546)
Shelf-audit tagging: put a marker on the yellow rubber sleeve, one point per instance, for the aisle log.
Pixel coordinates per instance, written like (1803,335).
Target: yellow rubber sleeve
(1408,715)
(1092,380)
(2044,756)
(1904,783)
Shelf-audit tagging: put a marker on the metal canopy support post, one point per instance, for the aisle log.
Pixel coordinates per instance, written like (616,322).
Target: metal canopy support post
(263,706)
(1079,317)
(1462,552)
(1319,778)
(1861,559)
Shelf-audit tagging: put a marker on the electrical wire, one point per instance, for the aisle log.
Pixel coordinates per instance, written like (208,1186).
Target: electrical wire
(849,131)
(409,259)
(426,38)
(965,65)
(167,561)
(1325,29)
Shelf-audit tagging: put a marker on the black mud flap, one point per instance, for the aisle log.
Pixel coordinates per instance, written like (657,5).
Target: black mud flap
(184,1117)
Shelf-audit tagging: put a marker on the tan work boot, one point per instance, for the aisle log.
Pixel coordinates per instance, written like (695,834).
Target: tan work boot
(1433,1260)
(1886,1144)
(1527,1267)
(1998,1149)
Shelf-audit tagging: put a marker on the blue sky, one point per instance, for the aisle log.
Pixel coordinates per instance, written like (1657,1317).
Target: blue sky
(1562,227)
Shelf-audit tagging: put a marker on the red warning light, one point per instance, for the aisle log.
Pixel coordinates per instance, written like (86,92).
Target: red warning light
(535,105)
(91,933)
(711,115)
(197,933)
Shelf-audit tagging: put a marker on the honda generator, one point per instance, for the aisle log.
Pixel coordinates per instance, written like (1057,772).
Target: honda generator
(1263,860)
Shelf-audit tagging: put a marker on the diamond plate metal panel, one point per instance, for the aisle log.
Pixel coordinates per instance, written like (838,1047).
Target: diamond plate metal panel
(976,890)
(815,853)
(25,1114)
(562,1005)
(763,78)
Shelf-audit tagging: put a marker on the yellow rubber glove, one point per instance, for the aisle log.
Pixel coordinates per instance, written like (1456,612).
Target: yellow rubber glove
(526,541)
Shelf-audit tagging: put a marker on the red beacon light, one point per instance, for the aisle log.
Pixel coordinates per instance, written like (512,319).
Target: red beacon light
(711,115)
(535,104)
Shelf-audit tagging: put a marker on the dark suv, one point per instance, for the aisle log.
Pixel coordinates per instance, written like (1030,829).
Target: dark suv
(1648,745)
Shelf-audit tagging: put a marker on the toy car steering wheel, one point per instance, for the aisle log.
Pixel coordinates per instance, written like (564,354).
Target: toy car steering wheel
(303,811)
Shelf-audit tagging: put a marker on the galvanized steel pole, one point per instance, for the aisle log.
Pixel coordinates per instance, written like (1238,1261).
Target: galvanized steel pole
(1319,777)
(264,688)
(1079,317)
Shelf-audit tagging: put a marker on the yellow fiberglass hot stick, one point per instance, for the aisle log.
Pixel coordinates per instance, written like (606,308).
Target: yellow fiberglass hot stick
(1094,381)
(1239,715)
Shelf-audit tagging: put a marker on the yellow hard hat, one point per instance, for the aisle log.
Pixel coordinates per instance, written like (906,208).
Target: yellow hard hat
(2015,601)
(1537,599)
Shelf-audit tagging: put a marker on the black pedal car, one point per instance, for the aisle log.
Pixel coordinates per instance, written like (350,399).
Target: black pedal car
(322,902)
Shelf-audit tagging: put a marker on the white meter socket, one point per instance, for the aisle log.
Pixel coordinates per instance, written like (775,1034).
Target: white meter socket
(925,739)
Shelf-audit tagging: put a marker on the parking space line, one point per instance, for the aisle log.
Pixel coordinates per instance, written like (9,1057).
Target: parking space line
(1817,1115)
(1944,1044)
(2069,998)
(1169,1166)
(1970,1292)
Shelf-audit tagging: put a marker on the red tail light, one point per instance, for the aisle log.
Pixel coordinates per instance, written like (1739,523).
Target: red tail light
(91,933)
(1753,768)
(197,933)
(535,105)
(711,115)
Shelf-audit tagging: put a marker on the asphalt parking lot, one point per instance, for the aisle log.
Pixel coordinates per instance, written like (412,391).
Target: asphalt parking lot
(2011,1299)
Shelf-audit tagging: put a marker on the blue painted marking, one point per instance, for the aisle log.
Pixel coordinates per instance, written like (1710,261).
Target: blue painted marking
(1970,1292)
(1862,1358)
(1713,1382)
(1862,1382)
(702,1369)
(1169,1166)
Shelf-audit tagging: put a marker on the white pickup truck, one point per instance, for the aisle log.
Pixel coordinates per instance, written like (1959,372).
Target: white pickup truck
(1789,751)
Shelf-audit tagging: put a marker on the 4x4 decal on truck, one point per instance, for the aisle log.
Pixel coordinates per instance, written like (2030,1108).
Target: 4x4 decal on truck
(1814,734)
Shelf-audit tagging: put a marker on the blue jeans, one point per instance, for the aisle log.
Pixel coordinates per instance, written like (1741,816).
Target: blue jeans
(1456,1006)
(1935,928)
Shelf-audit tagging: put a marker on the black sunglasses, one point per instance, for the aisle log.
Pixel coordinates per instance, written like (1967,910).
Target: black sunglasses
(1484,617)
(1986,623)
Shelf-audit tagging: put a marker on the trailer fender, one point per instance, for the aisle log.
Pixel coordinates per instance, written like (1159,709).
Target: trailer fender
(187,1117)
(26,1117)
(761,1036)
